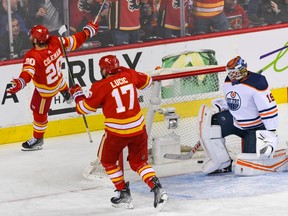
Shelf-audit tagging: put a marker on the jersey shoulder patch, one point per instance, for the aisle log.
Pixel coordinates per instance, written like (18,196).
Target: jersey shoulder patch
(257,81)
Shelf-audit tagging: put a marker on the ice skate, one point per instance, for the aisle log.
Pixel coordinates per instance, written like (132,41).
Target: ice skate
(33,144)
(224,170)
(160,195)
(123,198)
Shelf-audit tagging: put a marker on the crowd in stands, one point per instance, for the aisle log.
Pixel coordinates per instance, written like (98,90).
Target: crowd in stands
(132,21)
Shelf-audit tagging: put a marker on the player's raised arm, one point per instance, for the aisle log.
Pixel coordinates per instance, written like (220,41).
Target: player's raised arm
(76,40)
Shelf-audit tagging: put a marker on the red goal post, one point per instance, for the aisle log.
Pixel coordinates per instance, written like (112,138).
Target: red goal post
(182,91)
(172,73)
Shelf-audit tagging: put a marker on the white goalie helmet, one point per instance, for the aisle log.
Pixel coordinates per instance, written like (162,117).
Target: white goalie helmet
(237,69)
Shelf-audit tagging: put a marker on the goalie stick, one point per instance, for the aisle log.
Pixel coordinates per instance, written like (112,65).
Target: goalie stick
(184,156)
(61,31)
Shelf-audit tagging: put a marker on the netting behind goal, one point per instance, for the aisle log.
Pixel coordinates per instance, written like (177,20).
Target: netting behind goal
(178,94)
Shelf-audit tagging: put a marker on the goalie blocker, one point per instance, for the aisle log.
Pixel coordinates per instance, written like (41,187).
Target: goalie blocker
(266,159)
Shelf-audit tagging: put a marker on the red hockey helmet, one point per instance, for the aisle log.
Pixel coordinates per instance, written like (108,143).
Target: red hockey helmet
(39,32)
(110,63)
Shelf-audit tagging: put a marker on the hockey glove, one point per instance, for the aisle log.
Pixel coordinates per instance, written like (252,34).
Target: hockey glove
(91,29)
(17,85)
(77,93)
(266,143)
(67,97)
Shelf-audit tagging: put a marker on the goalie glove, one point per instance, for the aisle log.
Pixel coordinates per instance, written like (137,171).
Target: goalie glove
(17,85)
(266,143)
(219,104)
(77,93)
(91,29)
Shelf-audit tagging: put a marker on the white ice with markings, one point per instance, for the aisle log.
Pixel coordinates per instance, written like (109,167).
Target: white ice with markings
(50,183)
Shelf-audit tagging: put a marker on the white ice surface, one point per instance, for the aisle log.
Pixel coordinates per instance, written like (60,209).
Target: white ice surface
(50,183)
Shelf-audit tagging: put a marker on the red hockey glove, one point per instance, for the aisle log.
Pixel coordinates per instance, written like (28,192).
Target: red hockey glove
(77,93)
(17,85)
(91,28)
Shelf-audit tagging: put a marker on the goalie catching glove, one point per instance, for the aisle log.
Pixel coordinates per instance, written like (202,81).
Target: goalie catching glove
(17,85)
(266,144)
(91,29)
(77,93)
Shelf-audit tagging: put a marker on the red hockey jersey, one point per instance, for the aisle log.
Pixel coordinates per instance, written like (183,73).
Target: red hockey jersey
(44,66)
(118,97)
(124,15)
(170,12)
(207,8)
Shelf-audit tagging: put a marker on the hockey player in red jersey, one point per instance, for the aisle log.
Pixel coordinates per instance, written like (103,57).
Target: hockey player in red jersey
(248,111)
(42,65)
(124,123)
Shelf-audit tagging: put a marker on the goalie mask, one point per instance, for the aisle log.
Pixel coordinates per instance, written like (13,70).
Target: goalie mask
(109,65)
(237,69)
(39,32)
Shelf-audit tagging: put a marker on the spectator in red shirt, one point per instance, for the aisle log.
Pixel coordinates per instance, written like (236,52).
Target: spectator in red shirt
(169,18)
(236,14)
(124,21)
(81,11)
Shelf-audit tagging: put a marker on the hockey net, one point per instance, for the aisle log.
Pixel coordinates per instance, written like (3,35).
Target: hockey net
(179,93)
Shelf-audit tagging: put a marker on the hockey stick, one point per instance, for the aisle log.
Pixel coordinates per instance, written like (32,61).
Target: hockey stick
(61,31)
(184,156)
(96,18)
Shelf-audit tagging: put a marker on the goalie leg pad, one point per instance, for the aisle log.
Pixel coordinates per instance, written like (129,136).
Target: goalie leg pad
(214,145)
(249,164)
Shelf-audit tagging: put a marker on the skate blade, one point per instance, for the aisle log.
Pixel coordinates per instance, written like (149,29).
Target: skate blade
(161,205)
(36,148)
(123,205)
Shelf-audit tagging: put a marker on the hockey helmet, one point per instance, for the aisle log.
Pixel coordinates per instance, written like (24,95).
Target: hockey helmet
(237,69)
(39,32)
(110,63)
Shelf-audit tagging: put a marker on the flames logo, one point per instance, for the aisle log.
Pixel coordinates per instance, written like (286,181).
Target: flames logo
(176,3)
(133,5)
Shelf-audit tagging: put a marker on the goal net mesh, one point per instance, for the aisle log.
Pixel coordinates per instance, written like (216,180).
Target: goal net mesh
(183,90)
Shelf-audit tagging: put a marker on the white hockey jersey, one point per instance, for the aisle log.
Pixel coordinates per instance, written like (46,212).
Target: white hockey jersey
(251,103)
